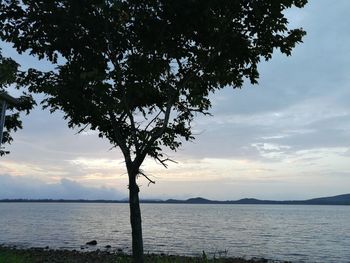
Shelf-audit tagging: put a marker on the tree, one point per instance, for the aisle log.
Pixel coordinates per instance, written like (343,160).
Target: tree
(139,71)
(8,74)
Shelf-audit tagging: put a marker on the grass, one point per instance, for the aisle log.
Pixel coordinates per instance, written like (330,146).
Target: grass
(12,257)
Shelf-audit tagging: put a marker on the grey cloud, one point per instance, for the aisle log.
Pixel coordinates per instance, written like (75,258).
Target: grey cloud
(301,102)
(323,133)
(231,189)
(30,188)
(316,122)
(49,138)
(224,142)
(338,123)
(317,67)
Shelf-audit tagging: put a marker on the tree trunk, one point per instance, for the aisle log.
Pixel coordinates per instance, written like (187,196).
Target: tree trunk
(135,219)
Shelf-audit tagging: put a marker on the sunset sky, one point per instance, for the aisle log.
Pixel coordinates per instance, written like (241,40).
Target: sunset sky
(286,138)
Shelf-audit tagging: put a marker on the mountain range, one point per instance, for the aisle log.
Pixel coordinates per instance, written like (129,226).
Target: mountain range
(332,200)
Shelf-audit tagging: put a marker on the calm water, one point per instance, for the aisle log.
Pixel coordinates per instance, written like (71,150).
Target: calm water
(296,233)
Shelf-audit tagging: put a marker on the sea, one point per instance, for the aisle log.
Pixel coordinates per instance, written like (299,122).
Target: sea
(297,233)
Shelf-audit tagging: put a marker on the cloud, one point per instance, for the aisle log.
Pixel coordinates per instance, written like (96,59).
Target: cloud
(291,131)
(29,188)
(313,123)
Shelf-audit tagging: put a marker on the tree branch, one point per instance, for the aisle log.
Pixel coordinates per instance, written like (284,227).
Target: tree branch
(163,161)
(133,130)
(149,180)
(81,130)
(145,129)
(155,134)
(118,137)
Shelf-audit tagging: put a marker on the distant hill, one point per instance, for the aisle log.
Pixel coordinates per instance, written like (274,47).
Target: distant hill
(332,200)
(198,200)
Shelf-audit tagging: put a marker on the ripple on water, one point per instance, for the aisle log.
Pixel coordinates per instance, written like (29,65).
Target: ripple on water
(296,233)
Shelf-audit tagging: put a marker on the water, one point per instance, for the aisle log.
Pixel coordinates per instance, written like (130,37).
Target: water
(295,233)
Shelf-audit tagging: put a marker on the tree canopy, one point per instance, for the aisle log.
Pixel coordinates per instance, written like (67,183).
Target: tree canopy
(8,75)
(128,64)
(139,71)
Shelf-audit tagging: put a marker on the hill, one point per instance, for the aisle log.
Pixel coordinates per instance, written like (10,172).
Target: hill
(333,200)
(343,199)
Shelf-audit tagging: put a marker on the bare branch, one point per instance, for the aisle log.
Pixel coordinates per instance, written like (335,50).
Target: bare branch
(163,161)
(114,146)
(83,129)
(179,64)
(149,180)
(122,118)
(153,120)
(157,133)
(133,130)
(121,141)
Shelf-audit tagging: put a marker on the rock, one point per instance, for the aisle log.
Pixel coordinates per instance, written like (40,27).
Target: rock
(92,243)
(108,246)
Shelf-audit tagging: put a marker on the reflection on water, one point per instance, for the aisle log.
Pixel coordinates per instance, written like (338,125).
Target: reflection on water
(296,233)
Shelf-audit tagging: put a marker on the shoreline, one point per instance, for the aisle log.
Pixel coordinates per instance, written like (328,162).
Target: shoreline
(47,255)
(343,199)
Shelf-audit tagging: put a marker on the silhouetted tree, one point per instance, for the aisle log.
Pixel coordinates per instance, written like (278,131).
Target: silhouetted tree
(8,75)
(139,71)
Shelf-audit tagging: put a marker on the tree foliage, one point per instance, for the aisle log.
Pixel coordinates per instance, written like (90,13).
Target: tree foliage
(128,64)
(139,71)
(8,76)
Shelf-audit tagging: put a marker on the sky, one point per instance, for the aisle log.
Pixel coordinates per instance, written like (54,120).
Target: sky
(286,138)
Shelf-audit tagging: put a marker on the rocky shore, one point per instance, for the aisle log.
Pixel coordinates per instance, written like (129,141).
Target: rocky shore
(45,255)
